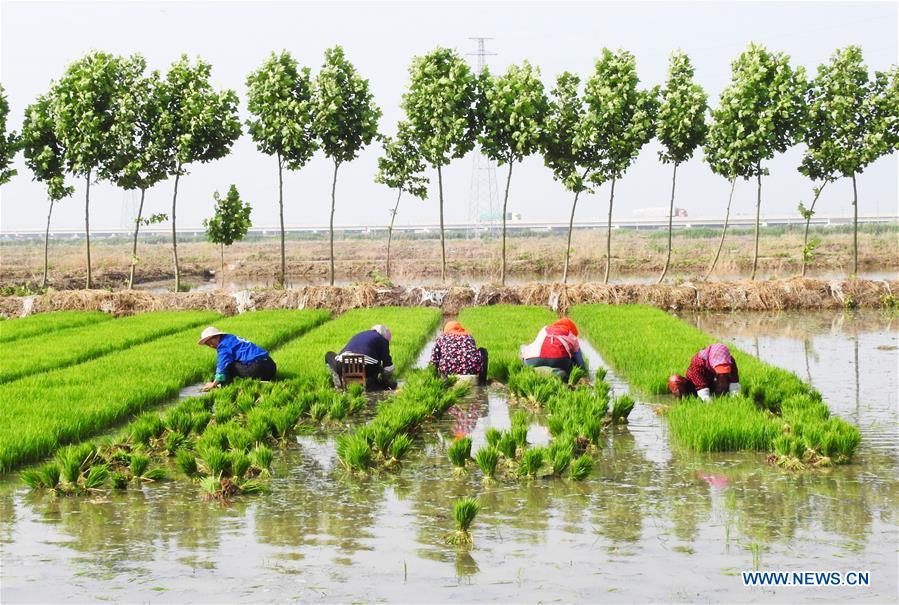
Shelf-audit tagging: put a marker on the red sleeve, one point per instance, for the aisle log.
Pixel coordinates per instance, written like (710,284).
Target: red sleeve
(697,373)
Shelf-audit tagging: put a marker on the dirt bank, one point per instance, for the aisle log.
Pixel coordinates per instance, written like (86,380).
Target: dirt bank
(794,293)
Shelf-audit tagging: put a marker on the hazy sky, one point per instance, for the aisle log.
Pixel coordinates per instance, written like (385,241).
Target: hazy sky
(39,39)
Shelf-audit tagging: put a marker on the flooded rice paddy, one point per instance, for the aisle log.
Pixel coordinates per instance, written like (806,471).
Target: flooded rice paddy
(651,523)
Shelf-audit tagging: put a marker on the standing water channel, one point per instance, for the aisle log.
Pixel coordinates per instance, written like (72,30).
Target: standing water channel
(651,523)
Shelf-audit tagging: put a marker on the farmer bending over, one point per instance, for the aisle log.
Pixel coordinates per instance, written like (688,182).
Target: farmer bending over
(236,357)
(713,369)
(455,352)
(374,345)
(556,347)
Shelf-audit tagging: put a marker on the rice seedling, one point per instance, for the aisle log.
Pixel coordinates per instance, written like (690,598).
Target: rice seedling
(239,438)
(578,375)
(559,454)
(173,442)
(464,512)
(45,323)
(531,461)
(95,477)
(318,411)
(262,457)
(580,468)
(338,409)
(145,428)
(45,477)
(493,435)
(224,410)
(383,437)
(520,435)
(118,480)
(139,464)
(240,464)
(178,420)
(400,445)
(48,351)
(354,452)
(487,459)
(507,445)
(646,345)
(186,461)
(39,413)
(459,452)
(621,408)
(215,461)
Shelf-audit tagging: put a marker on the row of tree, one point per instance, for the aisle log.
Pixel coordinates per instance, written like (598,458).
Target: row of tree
(107,118)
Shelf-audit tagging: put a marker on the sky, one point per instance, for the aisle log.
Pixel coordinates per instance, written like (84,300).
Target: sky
(39,39)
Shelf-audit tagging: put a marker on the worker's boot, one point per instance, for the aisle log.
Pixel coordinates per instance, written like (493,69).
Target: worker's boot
(335,378)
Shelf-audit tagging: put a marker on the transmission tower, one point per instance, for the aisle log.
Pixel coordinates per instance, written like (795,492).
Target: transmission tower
(483,198)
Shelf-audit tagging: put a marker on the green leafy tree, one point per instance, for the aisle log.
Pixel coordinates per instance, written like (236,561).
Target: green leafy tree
(847,127)
(761,111)
(680,125)
(139,159)
(440,107)
(569,157)
(345,117)
(512,108)
(9,141)
(400,167)
(229,224)
(83,108)
(199,124)
(279,96)
(618,120)
(45,157)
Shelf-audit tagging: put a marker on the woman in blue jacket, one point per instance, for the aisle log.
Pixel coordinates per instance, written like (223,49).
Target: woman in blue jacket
(236,357)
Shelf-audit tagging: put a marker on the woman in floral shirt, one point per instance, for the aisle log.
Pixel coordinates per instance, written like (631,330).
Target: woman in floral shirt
(455,352)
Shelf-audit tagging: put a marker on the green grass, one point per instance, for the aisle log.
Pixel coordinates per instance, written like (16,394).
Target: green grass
(43,323)
(646,345)
(41,412)
(48,351)
(502,329)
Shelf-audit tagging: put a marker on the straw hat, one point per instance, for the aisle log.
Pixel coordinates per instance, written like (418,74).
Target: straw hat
(208,333)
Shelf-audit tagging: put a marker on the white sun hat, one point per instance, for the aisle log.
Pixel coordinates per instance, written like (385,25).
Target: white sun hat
(208,333)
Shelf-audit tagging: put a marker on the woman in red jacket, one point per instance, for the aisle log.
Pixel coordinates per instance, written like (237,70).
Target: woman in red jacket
(557,347)
(713,369)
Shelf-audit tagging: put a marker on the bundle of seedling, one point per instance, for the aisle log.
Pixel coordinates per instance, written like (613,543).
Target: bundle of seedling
(384,441)
(776,412)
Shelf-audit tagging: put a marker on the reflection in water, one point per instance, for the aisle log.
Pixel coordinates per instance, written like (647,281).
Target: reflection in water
(692,521)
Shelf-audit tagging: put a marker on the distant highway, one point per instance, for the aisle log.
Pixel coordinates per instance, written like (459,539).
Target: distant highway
(513,226)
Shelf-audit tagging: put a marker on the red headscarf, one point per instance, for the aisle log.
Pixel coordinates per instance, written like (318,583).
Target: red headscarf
(566,324)
(454,328)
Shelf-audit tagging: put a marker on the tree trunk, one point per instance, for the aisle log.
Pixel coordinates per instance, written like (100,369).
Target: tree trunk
(854,228)
(87,228)
(733,184)
(808,220)
(47,246)
(281,212)
(175,235)
(222,253)
(568,245)
(758,213)
(502,273)
(140,210)
(442,241)
(605,279)
(333,198)
(670,225)
(390,230)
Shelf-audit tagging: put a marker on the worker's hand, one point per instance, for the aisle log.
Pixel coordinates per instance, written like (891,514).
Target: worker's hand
(704,394)
(734,388)
(209,386)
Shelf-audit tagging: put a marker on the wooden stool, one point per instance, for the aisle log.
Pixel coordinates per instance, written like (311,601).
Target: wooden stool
(352,369)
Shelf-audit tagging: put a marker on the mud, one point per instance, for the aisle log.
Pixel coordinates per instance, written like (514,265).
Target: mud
(797,293)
